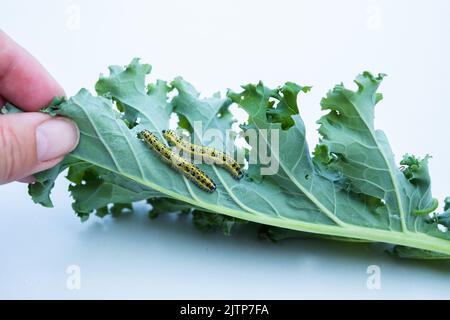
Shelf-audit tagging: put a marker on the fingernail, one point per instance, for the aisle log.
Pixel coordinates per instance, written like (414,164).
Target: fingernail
(55,138)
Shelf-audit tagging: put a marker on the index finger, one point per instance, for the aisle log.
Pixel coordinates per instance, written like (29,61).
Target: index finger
(23,80)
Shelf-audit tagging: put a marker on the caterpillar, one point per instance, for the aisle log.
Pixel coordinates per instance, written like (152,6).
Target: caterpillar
(434,205)
(188,169)
(208,154)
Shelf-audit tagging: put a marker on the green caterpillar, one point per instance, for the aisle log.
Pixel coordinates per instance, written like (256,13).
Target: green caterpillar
(189,170)
(206,153)
(433,207)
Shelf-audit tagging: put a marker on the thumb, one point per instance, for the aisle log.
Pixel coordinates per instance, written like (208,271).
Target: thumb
(31,142)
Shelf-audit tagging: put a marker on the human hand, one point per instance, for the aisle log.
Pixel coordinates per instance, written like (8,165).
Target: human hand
(31,141)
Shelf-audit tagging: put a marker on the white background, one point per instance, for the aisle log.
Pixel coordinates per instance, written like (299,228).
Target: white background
(218,45)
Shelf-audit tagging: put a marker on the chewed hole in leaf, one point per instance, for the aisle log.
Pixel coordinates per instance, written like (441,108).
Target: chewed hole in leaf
(173,121)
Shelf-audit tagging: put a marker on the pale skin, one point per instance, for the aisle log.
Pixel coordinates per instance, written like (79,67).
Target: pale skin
(30,141)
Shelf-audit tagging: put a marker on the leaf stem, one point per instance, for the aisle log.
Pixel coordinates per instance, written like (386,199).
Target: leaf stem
(410,239)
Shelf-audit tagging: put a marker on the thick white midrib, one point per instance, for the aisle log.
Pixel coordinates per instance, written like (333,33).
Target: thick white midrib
(417,240)
(391,170)
(309,195)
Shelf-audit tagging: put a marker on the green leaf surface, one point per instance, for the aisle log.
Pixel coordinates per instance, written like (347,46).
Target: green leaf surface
(351,187)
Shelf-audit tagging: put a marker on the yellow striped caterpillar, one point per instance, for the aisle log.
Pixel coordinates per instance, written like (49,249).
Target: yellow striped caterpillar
(191,171)
(208,154)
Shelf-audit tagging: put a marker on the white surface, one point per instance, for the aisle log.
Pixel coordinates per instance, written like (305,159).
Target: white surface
(216,45)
